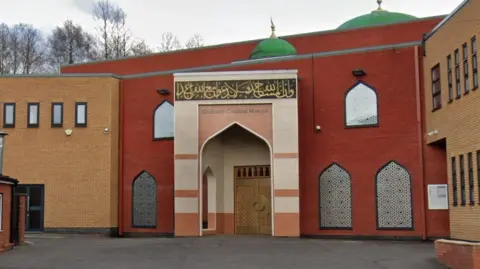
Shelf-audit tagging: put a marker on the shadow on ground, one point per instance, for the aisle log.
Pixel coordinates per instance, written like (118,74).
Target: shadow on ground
(231,252)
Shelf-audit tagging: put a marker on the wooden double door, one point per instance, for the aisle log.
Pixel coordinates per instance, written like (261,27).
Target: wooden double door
(253,207)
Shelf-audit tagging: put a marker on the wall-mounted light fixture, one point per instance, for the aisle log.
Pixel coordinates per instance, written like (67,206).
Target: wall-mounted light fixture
(163,91)
(358,72)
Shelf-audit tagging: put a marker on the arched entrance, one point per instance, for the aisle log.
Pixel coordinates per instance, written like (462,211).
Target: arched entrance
(239,198)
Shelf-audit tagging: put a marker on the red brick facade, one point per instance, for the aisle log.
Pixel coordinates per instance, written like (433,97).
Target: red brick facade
(458,254)
(396,75)
(222,54)
(397,138)
(6,192)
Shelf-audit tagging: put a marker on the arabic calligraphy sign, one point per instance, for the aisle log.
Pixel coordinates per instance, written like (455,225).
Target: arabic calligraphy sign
(236,89)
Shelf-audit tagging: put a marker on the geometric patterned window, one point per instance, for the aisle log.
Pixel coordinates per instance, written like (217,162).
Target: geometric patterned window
(144,199)
(361,106)
(394,197)
(335,198)
(163,121)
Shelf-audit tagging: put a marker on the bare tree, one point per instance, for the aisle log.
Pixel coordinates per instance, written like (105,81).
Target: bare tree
(139,47)
(195,41)
(21,49)
(4,48)
(70,44)
(103,12)
(15,44)
(115,37)
(32,49)
(169,42)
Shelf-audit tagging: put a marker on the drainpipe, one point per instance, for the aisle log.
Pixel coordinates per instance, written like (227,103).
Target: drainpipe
(120,161)
(14,215)
(2,139)
(420,143)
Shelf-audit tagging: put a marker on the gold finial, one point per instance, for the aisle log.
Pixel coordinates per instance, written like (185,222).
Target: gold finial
(379,2)
(273,28)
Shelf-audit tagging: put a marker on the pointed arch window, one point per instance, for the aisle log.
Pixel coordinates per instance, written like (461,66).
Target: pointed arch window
(163,121)
(335,198)
(394,197)
(361,106)
(144,201)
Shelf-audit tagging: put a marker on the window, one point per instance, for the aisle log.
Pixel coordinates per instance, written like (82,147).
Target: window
(393,189)
(163,121)
(361,106)
(471,187)
(454,181)
(33,115)
(57,114)
(457,74)
(80,114)
(462,182)
(466,82)
(9,115)
(474,63)
(450,78)
(144,201)
(335,198)
(436,88)
(1,211)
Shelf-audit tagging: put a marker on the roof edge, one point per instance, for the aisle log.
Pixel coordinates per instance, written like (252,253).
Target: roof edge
(323,32)
(446,19)
(8,180)
(275,59)
(66,75)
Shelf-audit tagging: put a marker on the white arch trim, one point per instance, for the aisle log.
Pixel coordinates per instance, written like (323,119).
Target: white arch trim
(272,172)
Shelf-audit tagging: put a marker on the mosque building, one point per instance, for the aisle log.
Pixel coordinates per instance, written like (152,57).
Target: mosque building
(320,134)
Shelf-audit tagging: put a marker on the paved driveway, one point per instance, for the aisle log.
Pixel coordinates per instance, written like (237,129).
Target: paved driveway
(225,252)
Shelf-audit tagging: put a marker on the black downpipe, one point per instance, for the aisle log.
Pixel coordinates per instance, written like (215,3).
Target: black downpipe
(14,216)
(314,117)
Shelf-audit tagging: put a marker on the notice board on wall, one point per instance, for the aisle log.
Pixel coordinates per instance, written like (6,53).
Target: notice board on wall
(438,196)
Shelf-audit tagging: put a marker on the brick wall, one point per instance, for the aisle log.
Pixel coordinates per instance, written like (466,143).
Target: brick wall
(456,121)
(227,53)
(6,191)
(458,254)
(80,171)
(22,217)
(397,138)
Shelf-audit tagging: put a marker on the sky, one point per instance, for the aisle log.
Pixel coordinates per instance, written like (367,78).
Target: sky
(217,21)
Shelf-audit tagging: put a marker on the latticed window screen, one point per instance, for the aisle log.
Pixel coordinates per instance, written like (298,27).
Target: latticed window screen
(394,197)
(144,201)
(361,106)
(335,198)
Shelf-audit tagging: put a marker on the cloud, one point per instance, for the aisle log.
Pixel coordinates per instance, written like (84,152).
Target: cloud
(84,5)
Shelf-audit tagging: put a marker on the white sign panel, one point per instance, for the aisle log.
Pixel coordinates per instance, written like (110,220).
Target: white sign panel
(438,196)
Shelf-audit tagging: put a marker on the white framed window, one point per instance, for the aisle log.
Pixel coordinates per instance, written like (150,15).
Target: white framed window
(57,114)
(9,115)
(33,115)
(1,212)
(163,121)
(361,106)
(80,114)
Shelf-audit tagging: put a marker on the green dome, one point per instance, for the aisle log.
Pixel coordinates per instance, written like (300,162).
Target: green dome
(377,17)
(272,47)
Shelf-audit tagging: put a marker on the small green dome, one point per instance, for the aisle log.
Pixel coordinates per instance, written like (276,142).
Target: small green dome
(272,47)
(376,17)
